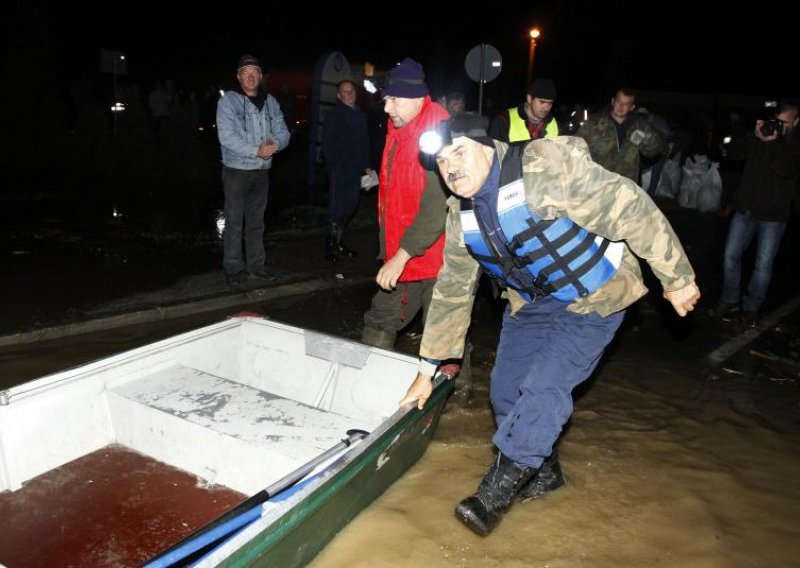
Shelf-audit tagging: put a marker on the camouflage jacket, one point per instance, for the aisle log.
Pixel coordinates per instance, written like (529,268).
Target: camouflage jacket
(600,133)
(561,180)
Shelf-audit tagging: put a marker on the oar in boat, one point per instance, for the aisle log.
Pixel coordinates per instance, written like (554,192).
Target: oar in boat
(245,511)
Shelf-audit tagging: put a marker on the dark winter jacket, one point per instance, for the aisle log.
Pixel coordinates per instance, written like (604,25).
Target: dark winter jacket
(769,180)
(345,140)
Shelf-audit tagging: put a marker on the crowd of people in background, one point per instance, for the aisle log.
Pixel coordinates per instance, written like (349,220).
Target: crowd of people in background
(690,131)
(622,136)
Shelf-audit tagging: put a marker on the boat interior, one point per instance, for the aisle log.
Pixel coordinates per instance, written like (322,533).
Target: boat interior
(166,437)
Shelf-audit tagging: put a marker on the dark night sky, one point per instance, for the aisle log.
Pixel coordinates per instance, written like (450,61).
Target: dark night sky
(586,46)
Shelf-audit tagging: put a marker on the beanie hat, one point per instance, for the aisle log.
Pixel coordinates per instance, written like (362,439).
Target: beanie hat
(247,60)
(471,125)
(543,89)
(468,124)
(406,80)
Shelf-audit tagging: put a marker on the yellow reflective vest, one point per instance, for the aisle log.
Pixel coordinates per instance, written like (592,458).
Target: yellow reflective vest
(518,128)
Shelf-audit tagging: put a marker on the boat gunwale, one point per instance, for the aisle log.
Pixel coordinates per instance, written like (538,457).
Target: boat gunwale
(318,492)
(41,384)
(52,380)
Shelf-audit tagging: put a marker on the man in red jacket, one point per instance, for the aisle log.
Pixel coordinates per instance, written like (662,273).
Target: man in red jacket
(411,209)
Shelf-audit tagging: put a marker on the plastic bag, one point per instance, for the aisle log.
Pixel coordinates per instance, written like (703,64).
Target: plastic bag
(368,181)
(694,176)
(646,177)
(711,193)
(670,178)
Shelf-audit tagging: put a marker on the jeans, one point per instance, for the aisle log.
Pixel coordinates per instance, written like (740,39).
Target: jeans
(544,352)
(740,234)
(246,194)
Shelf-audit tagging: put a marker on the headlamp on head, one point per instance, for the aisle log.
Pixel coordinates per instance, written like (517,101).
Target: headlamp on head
(434,139)
(467,124)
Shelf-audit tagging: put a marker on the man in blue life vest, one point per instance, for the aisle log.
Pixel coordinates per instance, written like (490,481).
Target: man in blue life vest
(559,233)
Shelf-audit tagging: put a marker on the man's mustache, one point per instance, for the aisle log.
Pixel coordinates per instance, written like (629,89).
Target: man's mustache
(453,176)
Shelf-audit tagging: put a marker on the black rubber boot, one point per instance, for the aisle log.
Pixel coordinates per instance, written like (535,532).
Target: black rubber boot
(342,250)
(378,338)
(331,248)
(548,478)
(484,510)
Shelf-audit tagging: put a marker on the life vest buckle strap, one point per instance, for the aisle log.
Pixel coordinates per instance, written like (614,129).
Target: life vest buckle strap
(543,285)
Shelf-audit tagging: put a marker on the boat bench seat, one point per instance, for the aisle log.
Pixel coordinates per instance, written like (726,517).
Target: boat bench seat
(219,415)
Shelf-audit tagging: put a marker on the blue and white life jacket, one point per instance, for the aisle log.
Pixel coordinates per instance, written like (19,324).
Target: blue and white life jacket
(538,257)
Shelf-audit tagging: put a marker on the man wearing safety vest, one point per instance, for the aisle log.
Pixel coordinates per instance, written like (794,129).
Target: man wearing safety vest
(532,119)
(559,233)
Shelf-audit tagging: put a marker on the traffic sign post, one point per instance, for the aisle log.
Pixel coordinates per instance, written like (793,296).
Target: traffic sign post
(483,64)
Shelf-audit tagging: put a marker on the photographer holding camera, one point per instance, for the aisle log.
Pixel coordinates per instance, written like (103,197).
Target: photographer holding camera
(762,204)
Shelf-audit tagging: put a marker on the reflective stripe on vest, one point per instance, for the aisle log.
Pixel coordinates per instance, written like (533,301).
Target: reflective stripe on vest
(541,257)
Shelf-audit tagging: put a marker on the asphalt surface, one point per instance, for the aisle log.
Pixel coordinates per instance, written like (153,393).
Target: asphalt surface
(63,282)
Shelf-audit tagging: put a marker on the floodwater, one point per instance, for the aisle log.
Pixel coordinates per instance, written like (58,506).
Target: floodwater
(664,467)
(666,464)
(659,473)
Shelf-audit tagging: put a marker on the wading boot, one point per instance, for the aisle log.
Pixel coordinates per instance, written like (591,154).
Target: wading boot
(330,248)
(378,338)
(548,478)
(484,510)
(342,250)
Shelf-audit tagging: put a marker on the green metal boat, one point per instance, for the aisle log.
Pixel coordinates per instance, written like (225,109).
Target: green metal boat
(243,443)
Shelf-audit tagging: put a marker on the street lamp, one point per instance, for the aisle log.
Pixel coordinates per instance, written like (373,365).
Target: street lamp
(534,33)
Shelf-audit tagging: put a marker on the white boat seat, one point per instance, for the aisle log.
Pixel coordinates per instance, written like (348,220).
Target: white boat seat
(285,433)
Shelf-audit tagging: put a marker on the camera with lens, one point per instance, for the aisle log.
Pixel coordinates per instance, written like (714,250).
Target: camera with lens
(773,126)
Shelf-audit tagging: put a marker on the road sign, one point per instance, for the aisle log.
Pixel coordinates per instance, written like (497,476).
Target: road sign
(483,64)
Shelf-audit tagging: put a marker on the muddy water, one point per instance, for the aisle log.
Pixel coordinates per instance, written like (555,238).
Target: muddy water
(664,467)
(659,472)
